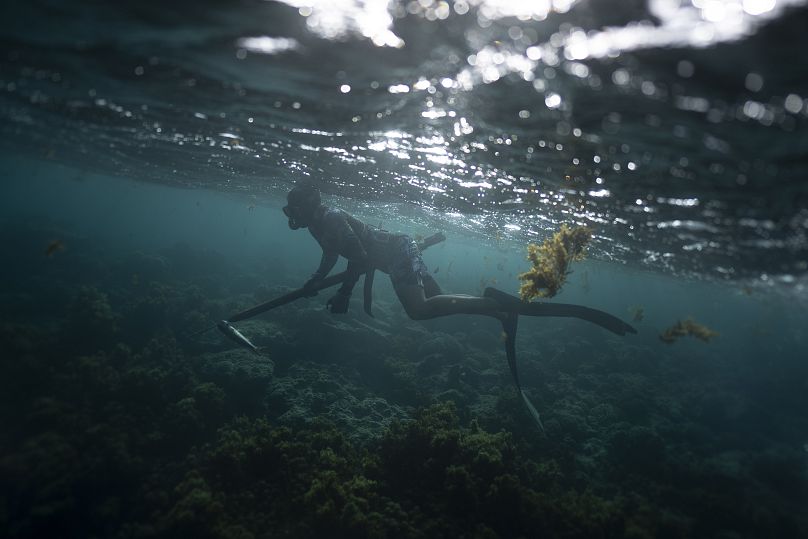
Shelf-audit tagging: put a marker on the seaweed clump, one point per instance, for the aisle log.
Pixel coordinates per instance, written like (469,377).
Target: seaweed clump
(683,328)
(551,262)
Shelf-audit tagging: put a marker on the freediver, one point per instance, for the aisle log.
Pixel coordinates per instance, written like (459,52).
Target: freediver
(366,247)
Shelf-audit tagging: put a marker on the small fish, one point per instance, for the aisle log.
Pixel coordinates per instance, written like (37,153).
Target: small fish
(54,247)
(437,269)
(251,207)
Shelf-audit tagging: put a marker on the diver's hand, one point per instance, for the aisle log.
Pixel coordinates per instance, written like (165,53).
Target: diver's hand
(309,288)
(338,304)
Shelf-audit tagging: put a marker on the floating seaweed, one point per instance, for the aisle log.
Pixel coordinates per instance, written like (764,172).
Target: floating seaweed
(54,247)
(683,328)
(637,313)
(551,262)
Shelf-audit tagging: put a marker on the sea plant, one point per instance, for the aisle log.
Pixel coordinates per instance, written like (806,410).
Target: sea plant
(551,262)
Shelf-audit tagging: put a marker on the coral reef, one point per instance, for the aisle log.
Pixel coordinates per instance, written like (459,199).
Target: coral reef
(685,328)
(551,262)
(118,424)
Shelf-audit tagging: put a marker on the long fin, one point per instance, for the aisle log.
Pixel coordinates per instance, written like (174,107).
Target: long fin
(509,326)
(367,291)
(515,306)
(532,410)
(563,310)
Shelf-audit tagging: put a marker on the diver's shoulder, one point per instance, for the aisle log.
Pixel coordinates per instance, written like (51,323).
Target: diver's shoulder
(333,215)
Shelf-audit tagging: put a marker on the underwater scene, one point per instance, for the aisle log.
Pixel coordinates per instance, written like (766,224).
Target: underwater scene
(404,269)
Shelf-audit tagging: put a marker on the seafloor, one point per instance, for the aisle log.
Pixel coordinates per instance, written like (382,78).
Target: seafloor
(118,422)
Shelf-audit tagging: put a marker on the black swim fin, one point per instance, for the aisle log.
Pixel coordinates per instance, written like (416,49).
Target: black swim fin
(566,310)
(509,326)
(515,306)
(367,292)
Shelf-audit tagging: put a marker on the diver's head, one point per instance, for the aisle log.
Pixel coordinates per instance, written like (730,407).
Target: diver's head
(302,202)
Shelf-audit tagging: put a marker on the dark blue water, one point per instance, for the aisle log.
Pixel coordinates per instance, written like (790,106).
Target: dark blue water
(146,151)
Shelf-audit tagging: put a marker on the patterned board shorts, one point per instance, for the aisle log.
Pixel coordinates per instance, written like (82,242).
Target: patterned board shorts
(408,267)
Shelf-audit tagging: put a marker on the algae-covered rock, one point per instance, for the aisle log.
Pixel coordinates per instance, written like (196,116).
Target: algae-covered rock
(91,321)
(243,374)
(310,390)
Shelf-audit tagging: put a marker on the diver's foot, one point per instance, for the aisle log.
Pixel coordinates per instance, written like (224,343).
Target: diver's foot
(506,302)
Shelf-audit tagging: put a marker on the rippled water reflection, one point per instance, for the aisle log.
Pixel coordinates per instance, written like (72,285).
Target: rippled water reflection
(677,129)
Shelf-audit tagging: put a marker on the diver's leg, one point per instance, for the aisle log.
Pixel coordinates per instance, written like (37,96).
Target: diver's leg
(420,307)
(431,286)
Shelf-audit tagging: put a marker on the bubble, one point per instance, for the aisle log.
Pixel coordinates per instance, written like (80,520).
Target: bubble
(685,69)
(753,82)
(793,103)
(621,77)
(758,7)
(514,32)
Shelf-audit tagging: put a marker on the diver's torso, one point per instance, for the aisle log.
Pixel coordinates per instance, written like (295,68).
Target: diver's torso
(382,247)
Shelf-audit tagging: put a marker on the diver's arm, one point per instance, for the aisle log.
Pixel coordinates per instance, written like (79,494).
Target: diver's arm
(338,304)
(353,272)
(327,263)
